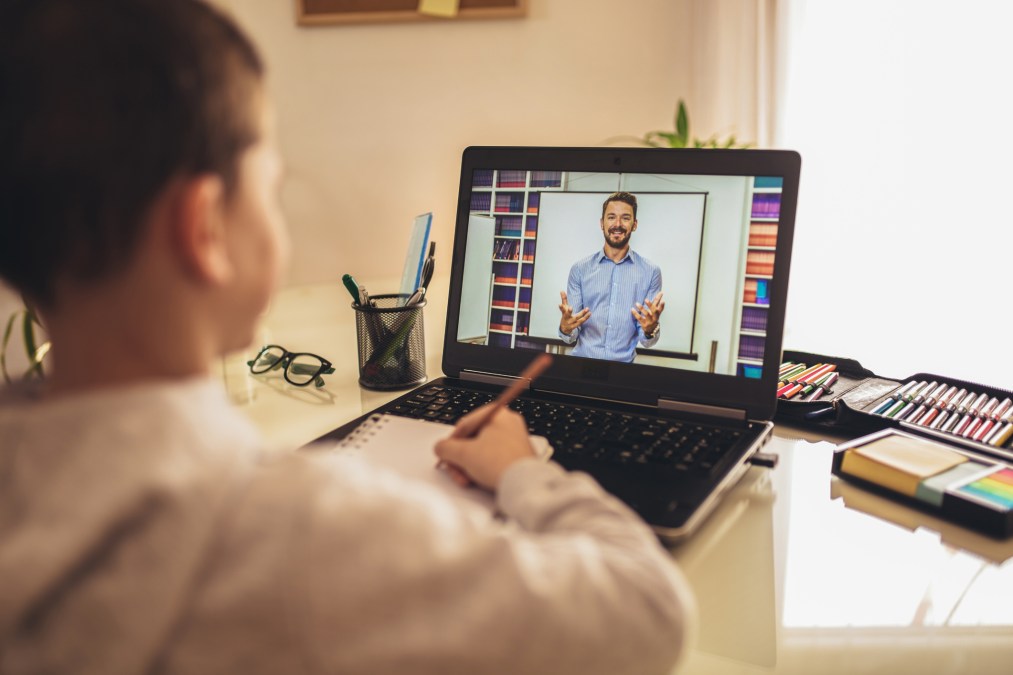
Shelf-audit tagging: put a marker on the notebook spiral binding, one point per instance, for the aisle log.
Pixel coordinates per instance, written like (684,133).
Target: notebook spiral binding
(363,432)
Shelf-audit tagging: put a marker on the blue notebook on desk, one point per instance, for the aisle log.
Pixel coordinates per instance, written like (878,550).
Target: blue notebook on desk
(667,419)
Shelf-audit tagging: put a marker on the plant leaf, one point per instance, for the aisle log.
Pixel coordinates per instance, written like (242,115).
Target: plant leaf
(661,139)
(28,332)
(3,346)
(682,123)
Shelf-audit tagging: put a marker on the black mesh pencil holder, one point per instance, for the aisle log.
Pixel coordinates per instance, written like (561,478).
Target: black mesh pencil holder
(392,345)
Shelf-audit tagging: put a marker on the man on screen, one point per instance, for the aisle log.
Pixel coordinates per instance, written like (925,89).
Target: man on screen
(604,284)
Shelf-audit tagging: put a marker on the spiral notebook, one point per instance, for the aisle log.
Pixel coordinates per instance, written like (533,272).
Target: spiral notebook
(405,446)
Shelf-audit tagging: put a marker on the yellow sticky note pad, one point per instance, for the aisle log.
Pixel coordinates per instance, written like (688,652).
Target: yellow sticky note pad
(442,8)
(899,463)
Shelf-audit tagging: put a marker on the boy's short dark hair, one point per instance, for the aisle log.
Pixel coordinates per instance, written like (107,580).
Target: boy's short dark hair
(624,197)
(102,104)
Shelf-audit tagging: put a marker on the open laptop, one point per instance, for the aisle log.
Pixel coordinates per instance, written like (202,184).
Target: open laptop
(673,429)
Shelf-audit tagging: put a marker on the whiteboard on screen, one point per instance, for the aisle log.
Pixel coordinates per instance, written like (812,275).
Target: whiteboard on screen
(669,234)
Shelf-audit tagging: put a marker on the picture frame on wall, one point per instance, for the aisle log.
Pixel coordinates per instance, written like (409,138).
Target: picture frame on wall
(322,12)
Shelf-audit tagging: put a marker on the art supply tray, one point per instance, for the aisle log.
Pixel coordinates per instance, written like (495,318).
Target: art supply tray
(969,415)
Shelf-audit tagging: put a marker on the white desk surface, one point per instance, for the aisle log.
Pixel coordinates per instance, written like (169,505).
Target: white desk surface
(796,572)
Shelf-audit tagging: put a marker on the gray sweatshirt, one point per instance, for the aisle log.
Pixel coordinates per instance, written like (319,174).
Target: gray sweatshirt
(145,529)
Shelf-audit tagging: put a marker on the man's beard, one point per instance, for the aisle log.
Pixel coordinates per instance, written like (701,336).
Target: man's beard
(618,245)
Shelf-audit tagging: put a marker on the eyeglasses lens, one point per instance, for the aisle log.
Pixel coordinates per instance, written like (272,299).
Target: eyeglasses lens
(303,369)
(268,359)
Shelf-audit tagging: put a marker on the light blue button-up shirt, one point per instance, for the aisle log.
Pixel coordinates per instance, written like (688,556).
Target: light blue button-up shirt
(610,290)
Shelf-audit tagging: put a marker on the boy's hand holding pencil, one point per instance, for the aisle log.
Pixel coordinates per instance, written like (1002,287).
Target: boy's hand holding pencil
(486,441)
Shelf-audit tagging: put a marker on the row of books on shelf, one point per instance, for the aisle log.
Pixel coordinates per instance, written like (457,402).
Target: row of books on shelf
(521,329)
(510,208)
(763,234)
(511,202)
(512,179)
(756,292)
(507,202)
(754,318)
(760,262)
(511,249)
(518,179)
(751,347)
(766,205)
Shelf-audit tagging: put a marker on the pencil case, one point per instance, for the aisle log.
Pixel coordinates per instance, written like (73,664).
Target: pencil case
(935,476)
(973,416)
(855,383)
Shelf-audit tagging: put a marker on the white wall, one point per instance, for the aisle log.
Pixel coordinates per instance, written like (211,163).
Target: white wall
(373,117)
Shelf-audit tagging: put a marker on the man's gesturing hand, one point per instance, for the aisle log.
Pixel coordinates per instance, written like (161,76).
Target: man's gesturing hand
(649,313)
(569,321)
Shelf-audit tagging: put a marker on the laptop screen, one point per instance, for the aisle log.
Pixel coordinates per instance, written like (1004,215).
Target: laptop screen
(636,267)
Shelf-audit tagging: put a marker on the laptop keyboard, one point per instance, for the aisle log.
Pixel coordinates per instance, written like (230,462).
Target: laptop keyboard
(581,432)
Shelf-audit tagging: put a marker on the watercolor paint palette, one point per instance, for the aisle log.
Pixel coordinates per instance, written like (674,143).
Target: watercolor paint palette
(965,487)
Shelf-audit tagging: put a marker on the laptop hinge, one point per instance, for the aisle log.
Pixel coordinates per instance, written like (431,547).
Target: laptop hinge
(490,378)
(700,409)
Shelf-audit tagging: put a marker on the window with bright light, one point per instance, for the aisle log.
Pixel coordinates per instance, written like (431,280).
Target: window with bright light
(903,114)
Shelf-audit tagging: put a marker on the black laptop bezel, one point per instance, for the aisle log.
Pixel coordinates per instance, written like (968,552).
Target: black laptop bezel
(633,383)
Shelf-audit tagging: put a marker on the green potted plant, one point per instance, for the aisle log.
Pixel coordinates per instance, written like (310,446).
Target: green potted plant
(34,351)
(680,137)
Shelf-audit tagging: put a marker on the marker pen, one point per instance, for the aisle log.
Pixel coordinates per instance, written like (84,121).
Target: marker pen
(951,421)
(817,392)
(792,390)
(787,377)
(955,399)
(906,411)
(978,404)
(1000,439)
(919,411)
(895,408)
(935,395)
(962,404)
(1007,416)
(997,429)
(970,419)
(972,428)
(807,389)
(929,416)
(813,372)
(988,408)
(983,430)
(821,374)
(884,407)
(945,398)
(938,422)
(1004,419)
(924,393)
(911,393)
(902,392)
(921,400)
(1002,408)
(825,385)
(992,434)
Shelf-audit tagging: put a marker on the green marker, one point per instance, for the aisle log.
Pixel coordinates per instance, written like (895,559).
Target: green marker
(352,287)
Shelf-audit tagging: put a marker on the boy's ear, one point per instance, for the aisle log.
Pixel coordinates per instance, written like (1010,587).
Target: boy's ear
(199,228)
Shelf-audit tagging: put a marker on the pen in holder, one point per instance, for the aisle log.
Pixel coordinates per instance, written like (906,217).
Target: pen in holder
(392,346)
